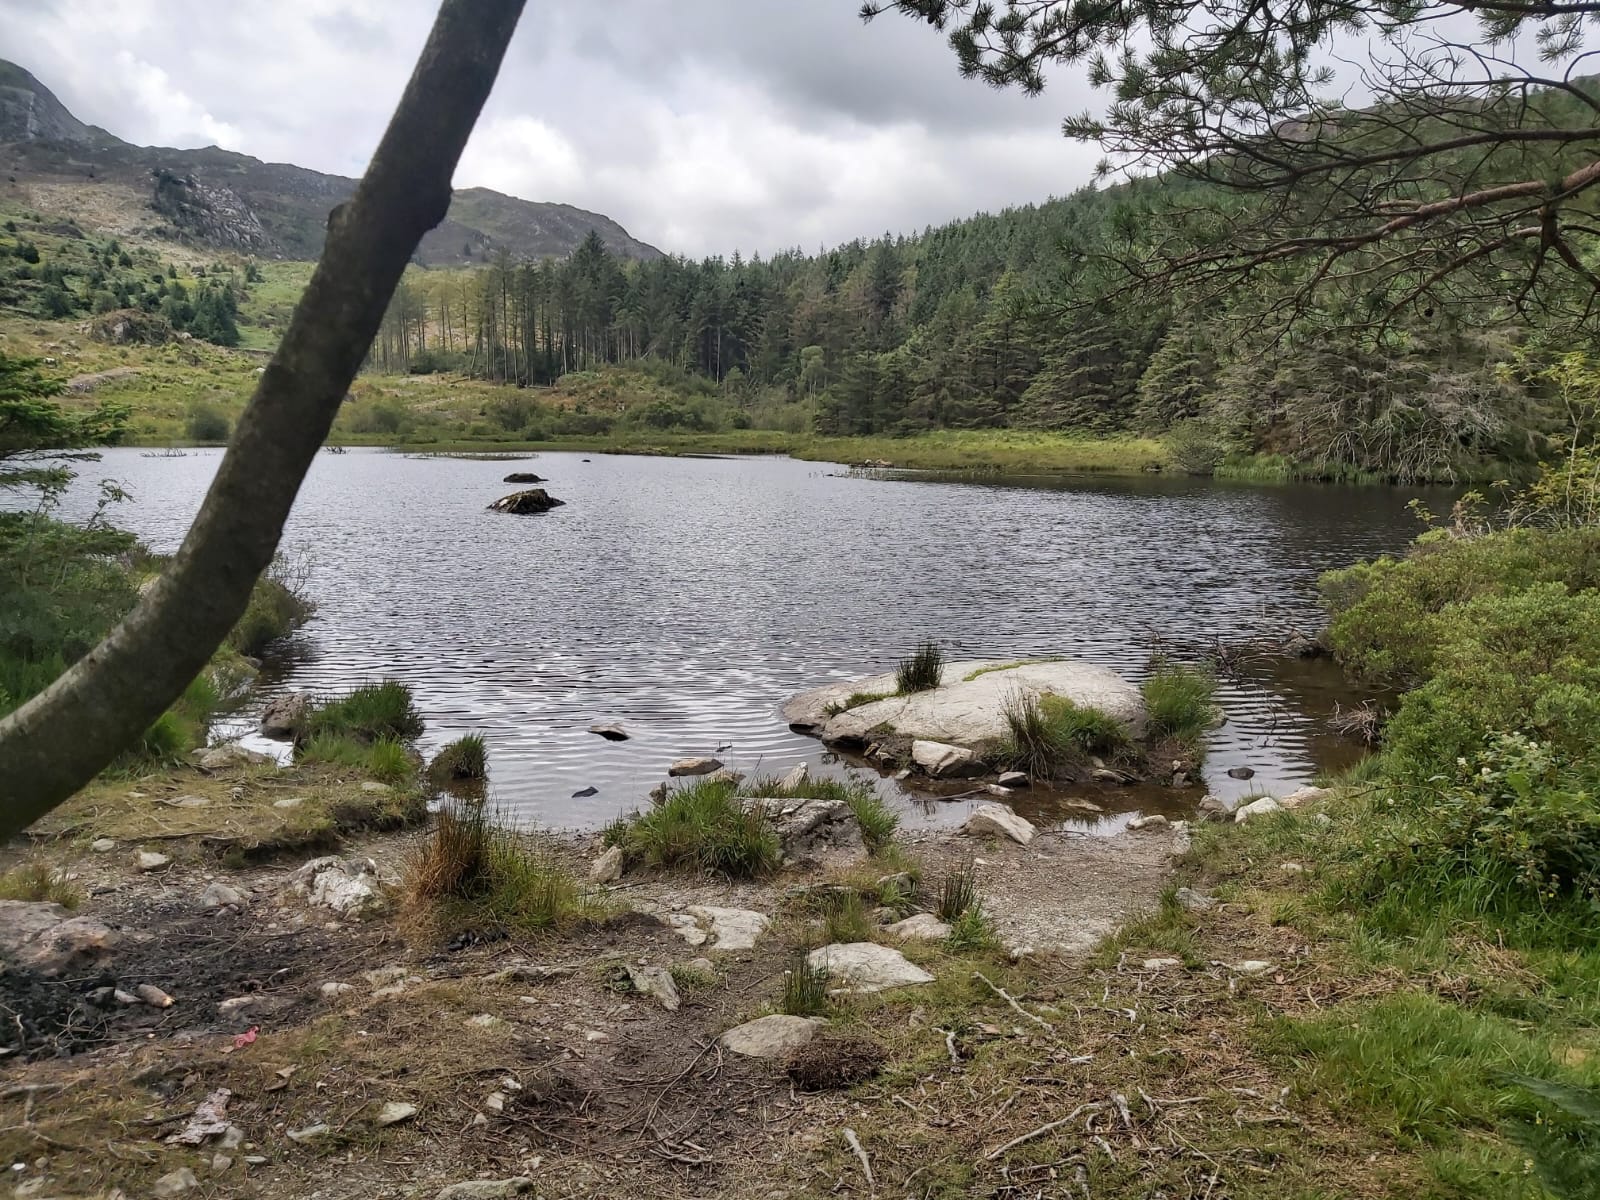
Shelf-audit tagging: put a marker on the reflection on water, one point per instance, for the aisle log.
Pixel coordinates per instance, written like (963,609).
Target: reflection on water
(686,598)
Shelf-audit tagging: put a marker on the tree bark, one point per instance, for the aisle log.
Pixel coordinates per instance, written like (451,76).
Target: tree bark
(67,734)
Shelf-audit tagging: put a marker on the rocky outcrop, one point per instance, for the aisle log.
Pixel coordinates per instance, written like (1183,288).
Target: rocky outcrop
(129,327)
(961,711)
(808,826)
(48,939)
(534,500)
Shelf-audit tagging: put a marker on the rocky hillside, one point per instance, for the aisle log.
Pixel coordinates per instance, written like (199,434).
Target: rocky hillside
(215,198)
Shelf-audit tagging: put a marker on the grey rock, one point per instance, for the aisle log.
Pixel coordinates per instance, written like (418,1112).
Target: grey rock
(920,927)
(1303,796)
(1195,901)
(1153,821)
(1241,772)
(1213,809)
(48,939)
(797,776)
(693,766)
(805,826)
(1250,966)
(1162,964)
(349,887)
(999,821)
(310,1133)
(393,1113)
(289,802)
(534,500)
(655,982)
(103,845)
(149,860)
(866,967)
(612,732)
(220,895)
(1014,779)
(942,760)
(776,1036)
(285,715)
(222,758)
(374,788)
(608,867)
(729,928)
(1256,808)
(175,1183)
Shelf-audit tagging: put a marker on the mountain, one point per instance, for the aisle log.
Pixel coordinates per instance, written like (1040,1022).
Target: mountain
(56,164)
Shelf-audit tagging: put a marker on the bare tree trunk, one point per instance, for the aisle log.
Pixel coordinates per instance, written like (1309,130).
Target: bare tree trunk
(67,734)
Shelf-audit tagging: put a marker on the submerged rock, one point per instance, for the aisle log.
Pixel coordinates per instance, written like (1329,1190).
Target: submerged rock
(997,820)
(524,477)
(1014,780)
(694,766)
(611,731)
(534,500)
(866,967)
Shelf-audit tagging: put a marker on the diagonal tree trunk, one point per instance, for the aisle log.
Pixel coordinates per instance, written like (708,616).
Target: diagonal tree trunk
(67,734)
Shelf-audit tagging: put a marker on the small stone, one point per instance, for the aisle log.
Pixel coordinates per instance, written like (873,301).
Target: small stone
(495,1102)
(289,802)
(1256,808)
(726,775)
(486,1189)
(220,758)
(150,994)
(175,1183)
(1241,772)
(998,820)
(694,766)
(866,967)
(285,715)
(377,789)
(1292,868)
(994,789)
(1014,779)
(1250,966)
(1153,821)
(310,1133)
(730,928)
(776,1036)
(901,882)
(796,778)
(255,1160)
(608,867)
(149,860)
(484,1021)
(103,845)
(220,1163)
(703,965)
(611,732)
(232,1138)
(596,1035)
(1194,901)
(228,1008)
(220,895)
(656,982)
(1213,809)
(921,927)
(942,760)
(1162,964)
(383,976)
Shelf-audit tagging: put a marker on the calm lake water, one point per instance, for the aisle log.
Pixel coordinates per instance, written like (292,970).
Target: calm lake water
(687,598)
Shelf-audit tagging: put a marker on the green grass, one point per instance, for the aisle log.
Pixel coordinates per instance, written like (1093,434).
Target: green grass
(958,892)
(973,931)
(1179,702)
(921,672)
(278,606)
(991,450)
(386,760)
(1009,666)
(702,825)
(1046,735)
(369,713)
(805,989)
(465,758)
(845,917)
(856,700)
(878,822)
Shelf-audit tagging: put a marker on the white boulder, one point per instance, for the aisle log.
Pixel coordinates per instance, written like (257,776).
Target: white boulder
(997,820)
(866,967)
(939,759)
(776,1036)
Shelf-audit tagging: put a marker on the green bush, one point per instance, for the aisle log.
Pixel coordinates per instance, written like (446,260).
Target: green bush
(278,606)
(921,672)
(805,988)
(465,758)
(1179,702)
(878,822)
(206,423)
(703,825)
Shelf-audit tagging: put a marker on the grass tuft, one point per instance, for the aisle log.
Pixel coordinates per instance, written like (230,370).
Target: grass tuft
(1049,734)
(878,822)
(703,825)
(958,892)
(805,988)
(920,672)
(371,712)
(845,917)
(39,882)
(465,758)
(1179,702)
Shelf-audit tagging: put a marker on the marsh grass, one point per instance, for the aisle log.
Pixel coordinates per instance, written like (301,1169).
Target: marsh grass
(878,822)
(473,871)
(958,891)
(1179,702)
(39,882)
(369,713)
(1048,734)
(973,931)
(278,606)
(465,758)
(845,917)
(702,824)
(856,700)
(920,672)
(385,760)
(805,988)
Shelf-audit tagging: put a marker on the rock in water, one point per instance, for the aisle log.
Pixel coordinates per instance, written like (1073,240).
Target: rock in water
(998,820)
(939,759)
(866,967)
(1014,779)
(612,732)
(694,766)
(776,1036)
(285,716)
(585,793)
(524,477)
(1241,772)
(534,500)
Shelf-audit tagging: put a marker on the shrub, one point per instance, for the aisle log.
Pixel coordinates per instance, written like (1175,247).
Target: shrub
(1562,1142)
(972,930)
(1179,702)
(278,606)
(920,672)
(465,758)
(389,761)
(958,891)
(206,423)
(372,712)
(703,825)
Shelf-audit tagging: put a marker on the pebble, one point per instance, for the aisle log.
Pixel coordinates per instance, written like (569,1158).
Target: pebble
(310,1133)
(290,802)
(394,1112)
(1162,964)
(1154,821)
(1250,966)
(220,895)
(103,845)
(149,860)
(175,1183)
(333,990)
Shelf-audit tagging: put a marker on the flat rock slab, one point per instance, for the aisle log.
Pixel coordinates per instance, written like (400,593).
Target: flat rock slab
(722,928)
(941,759)
(693,766)
(776,1036)
(866,967)
(922,927)
(963,711)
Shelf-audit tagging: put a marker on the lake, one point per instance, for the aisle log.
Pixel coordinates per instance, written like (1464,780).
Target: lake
(687,598)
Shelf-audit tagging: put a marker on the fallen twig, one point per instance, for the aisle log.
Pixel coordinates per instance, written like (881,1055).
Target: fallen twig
(861,1153)
(1009,999)
(1040,1132)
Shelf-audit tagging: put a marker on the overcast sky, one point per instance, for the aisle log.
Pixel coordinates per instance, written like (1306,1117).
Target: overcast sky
(704,126)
